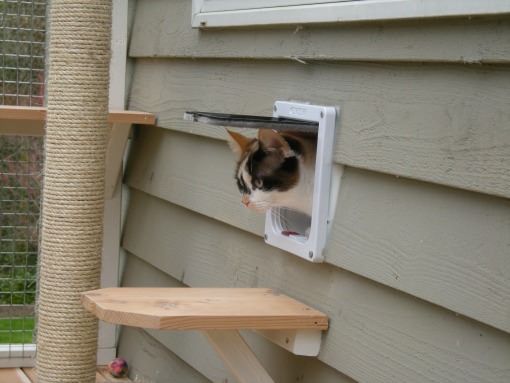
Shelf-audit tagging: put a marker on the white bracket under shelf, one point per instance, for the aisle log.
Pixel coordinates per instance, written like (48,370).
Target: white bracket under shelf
(220,313)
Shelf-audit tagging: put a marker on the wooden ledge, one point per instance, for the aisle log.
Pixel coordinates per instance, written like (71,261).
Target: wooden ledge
(36,113)
(219,313)
(30,121)
(202,309)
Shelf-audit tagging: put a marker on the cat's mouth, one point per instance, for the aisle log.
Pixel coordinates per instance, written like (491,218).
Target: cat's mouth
(259,207)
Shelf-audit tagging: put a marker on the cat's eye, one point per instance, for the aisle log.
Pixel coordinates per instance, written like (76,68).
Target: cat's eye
(258,183)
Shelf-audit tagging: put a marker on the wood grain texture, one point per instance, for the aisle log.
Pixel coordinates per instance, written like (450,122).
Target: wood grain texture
(202,309)
(162,29)
(238,357)
(36,113)
(185,344)
(376,334)
(447,246)
(31,120)
(179,346)
(442,124)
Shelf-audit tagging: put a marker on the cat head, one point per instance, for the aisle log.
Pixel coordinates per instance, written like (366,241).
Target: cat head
(268,168)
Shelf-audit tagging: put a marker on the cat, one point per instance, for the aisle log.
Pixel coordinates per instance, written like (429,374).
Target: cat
(275,169)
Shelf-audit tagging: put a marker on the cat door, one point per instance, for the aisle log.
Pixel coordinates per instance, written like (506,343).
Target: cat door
(295,232)
(287,229)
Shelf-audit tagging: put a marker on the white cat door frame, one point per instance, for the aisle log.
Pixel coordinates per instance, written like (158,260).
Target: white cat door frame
(310,245)
(289,230)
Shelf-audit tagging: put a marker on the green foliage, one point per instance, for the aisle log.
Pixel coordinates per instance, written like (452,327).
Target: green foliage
(20,180)
(20,185)
(16,330)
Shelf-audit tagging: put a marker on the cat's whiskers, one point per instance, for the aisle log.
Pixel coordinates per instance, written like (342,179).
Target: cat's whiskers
(259,205)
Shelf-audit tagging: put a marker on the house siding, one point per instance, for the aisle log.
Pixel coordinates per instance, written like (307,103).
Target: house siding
(416,281)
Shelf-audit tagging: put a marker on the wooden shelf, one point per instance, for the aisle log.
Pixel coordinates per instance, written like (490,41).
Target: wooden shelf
(219,313)
(202,309)
(29,120)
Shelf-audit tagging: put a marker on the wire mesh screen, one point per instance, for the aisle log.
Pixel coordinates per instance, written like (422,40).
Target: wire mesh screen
(23,50)
(20,177)
(22,53)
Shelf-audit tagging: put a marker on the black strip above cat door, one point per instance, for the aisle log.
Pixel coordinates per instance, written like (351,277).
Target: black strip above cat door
(255,122)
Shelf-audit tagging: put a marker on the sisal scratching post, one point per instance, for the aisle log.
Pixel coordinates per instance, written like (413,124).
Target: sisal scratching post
(73,197)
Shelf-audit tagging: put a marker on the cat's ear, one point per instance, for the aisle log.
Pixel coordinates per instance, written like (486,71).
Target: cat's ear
(272,140)
(237,142)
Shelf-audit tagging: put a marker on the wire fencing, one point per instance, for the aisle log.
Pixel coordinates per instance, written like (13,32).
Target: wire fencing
(22,35)
(22,57)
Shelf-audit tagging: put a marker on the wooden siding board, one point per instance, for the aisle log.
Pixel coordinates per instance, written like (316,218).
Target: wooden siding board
(450,248)
(163,29)
(151,361)
(376,334)
(168,166)
(443,124)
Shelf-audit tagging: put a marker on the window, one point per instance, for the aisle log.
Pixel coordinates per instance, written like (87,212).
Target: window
(232,13)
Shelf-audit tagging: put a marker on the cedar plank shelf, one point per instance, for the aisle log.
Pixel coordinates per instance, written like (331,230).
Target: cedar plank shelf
(30,121)
(220,313)
(38,114)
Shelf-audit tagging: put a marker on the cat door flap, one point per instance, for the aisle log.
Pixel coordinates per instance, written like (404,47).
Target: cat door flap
(291,231)
(256,122)
(295,232)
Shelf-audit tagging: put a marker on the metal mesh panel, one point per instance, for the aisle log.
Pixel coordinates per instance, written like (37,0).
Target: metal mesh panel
(22,53)
(20,177)
(22,35)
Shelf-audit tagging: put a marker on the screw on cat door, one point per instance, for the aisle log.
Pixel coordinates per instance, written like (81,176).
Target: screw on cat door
(297,200)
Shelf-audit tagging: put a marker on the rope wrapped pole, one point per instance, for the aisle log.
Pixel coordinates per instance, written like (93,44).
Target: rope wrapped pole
(73,196)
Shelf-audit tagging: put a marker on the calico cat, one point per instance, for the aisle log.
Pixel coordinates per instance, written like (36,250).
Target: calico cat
(275,169)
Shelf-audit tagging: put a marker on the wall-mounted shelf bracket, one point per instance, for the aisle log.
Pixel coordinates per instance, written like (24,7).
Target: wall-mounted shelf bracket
(219,313)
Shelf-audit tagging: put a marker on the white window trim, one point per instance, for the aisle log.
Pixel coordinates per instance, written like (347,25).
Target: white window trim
(341,11)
